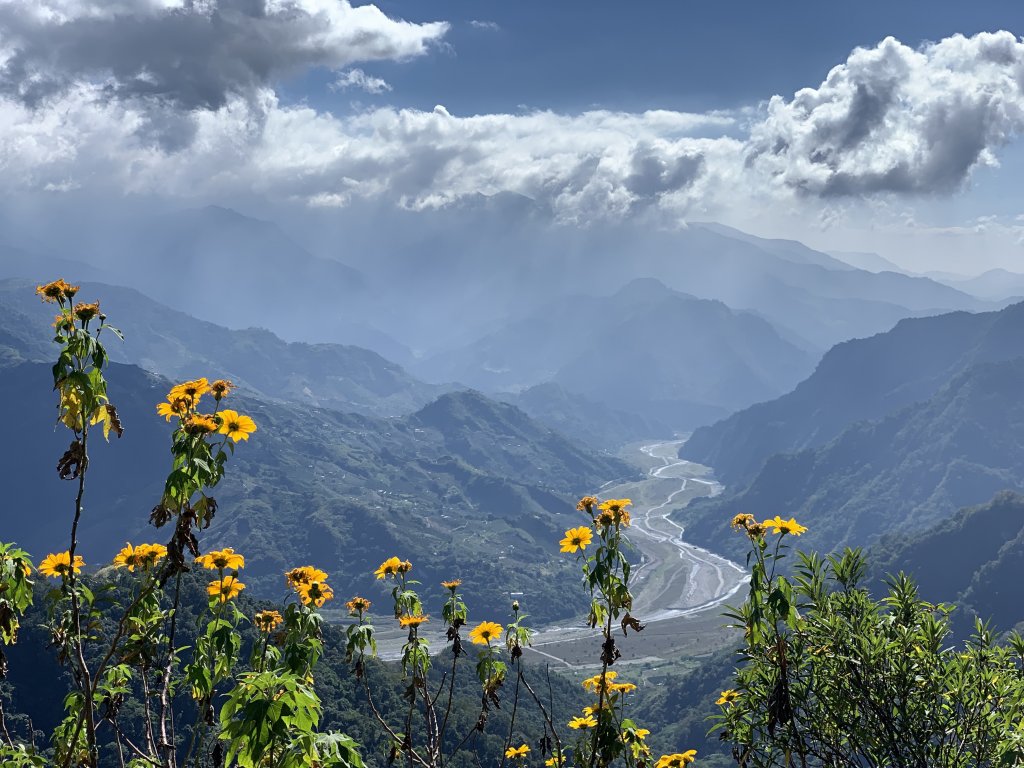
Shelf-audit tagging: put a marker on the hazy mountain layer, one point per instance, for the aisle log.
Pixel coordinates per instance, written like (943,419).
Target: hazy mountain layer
(179,346)
(218,265)
(860,379)
(583,419)
(996,284)
(648,350)
(416,284)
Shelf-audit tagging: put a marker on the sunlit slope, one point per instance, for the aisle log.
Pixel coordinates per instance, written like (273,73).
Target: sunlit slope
(857,380)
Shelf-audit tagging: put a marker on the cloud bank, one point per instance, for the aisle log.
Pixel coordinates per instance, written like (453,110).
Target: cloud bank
(896,119)
(178,98)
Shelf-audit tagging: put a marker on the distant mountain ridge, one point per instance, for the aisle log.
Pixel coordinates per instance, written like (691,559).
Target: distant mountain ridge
(870,262)
(996,284)
(583,419)
(441,279)
(219,265)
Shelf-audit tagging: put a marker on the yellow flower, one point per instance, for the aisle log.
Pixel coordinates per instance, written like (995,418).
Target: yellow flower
(222,560)
(728,696)
(236,426)
(151,554)
(56,291)
(304,574)
(127,558)
(452,585)
(593,683)
(389,567)
(266,621)
(485,631)
(63,322)
(405,566)
(59,565)
(623,687)
(315,593)
(519,751)
(586,504)
(756,530)
(412,621)
(199,424)
(221,388)
(226,588)
(190,390)
(177,407)
(576,539)
(635,734)
(86,312)
(582,722)
(357,605)
(613,512)
(742,521)
(677,760)
(555,761)
(785,526)
(143,556)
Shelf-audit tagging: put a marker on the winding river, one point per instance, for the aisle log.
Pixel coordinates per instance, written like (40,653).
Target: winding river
(675,583)
(675,580)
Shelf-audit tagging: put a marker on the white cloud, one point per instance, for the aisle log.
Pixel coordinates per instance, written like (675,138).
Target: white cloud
(356,78)
(895,119)
(890,119)
(593,164)
(491,26)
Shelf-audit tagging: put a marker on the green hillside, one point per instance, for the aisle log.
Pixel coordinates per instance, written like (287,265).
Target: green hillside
(484,498)
(975,560)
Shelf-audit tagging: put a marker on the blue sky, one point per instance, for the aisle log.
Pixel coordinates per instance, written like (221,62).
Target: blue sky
(689,56)
(670,111)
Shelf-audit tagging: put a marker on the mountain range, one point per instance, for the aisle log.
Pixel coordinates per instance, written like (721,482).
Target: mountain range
(862,379)
(890,435)
(178,346)
(982,576)
(444,279)
(645,349)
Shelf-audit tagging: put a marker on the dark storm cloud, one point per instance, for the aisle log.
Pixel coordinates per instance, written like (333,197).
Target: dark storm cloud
(195,56)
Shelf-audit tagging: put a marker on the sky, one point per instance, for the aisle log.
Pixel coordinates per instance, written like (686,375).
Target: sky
(875,126)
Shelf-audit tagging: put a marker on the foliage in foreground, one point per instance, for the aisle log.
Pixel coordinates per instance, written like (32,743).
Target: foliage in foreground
(832,677)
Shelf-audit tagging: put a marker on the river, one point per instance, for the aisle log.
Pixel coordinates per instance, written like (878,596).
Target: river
(677,586)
